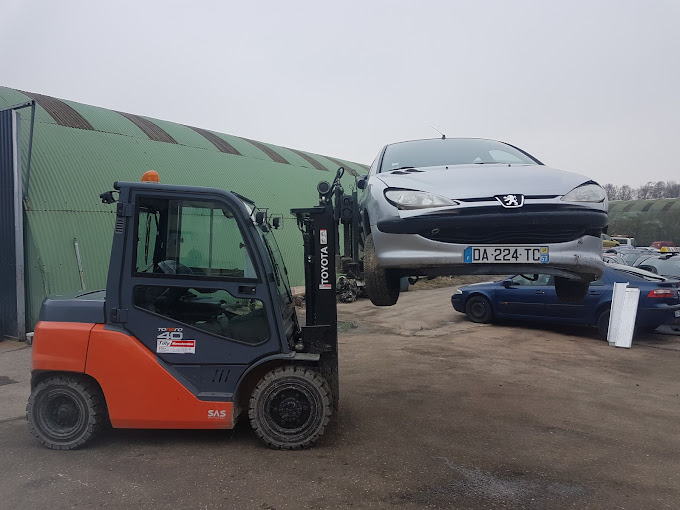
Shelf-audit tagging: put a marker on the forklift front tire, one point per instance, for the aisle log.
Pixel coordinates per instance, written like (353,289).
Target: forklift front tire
(290,407)
(65,412)
(382,284)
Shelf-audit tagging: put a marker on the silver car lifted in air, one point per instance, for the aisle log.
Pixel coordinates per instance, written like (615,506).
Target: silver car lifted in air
(475,206)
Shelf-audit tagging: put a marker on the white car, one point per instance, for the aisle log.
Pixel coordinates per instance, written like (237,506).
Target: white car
(475,206)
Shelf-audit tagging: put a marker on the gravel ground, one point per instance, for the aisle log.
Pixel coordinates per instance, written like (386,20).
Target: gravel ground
(436,412)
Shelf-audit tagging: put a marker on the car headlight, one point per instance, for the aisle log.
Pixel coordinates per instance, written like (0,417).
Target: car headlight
(457,291)
(411,199)
(586,193)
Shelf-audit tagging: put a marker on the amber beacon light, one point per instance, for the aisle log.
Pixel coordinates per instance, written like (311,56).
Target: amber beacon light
(151,176)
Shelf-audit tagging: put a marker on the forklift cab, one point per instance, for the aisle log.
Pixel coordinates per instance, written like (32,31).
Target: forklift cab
(198,282)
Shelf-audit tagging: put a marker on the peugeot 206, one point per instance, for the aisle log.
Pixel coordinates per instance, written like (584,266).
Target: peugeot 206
(474,206)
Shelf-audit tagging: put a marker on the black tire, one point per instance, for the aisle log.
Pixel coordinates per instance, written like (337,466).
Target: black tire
(65,412)
(290,407)
(478,309)
(382,285)
(603,324)
(570,291)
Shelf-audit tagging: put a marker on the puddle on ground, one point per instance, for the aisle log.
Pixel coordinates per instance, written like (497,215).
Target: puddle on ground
(4,380)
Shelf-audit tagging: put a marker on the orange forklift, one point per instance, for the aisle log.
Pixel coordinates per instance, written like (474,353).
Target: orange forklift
(197,325)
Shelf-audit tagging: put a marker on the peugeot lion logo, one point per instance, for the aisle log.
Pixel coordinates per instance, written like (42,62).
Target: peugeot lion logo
(510,201)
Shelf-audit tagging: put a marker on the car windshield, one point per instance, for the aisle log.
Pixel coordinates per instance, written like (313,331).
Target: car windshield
(451,151)
(630,258)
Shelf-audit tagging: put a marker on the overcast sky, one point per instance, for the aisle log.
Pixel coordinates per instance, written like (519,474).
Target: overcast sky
(587,86)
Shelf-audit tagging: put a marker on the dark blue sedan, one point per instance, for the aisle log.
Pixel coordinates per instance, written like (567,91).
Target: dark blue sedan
(533,297)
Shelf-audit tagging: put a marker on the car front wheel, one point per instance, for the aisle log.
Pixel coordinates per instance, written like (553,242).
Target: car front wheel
(382,284)
(478,309)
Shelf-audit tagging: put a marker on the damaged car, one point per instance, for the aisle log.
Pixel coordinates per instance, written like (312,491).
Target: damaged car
(474,206)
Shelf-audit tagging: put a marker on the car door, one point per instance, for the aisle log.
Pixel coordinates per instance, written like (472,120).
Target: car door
(523,296)
(194,289)
(574,312)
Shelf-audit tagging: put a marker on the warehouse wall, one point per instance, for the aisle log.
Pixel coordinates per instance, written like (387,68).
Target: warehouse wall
(80,153)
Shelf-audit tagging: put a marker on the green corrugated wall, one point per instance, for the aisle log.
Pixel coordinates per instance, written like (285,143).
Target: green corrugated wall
(646,220)
(71,167)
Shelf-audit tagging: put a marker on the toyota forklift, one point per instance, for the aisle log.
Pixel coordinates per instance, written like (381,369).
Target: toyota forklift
(197,326)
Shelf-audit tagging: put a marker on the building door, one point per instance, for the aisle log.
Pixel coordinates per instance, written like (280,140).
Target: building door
(12,314)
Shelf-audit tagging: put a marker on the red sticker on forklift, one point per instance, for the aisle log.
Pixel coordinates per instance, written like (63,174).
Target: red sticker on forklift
(171,341)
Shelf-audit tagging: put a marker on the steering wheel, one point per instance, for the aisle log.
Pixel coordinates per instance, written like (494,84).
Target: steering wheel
(174,267)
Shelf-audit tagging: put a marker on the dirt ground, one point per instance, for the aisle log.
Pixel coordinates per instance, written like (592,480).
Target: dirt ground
(436,412)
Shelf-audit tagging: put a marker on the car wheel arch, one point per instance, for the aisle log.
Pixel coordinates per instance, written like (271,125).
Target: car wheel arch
(603,307)
(481,294)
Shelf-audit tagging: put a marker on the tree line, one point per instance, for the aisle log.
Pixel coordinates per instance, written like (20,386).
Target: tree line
(653,189)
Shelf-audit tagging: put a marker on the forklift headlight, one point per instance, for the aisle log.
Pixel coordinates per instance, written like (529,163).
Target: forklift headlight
(412,199)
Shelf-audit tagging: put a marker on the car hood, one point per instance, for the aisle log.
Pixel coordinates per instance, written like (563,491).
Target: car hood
(480,181)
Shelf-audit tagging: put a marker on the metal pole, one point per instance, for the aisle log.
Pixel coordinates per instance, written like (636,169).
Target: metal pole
(30,150)
(210,246)
(18,230)
(80,263)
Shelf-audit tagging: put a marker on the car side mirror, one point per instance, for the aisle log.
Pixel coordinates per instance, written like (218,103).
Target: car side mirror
(361,182)
(276,222)
(508,283)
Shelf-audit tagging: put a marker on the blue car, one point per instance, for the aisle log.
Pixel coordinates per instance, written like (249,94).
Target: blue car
(533,297)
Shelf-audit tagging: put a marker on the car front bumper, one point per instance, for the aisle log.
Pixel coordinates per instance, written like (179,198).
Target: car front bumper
(416,255)
(457,301)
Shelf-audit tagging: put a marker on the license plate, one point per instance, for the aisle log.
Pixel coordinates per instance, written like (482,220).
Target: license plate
(506,255)
(677,313)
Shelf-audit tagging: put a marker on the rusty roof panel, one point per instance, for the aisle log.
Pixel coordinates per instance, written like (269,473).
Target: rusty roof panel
(150,129)
(349,169)
(314,162)
(222,145)
(62,113)
(268,151)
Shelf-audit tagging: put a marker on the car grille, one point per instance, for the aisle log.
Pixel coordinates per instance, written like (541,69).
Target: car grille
(506,235)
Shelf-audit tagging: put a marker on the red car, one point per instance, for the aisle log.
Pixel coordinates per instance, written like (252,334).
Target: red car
(662,244)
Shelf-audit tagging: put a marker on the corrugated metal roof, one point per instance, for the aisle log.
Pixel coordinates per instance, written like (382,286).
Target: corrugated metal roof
(153,131)
(268,151)
(71,167)
(222,145)
(344,164)
(315,163)
(62,113)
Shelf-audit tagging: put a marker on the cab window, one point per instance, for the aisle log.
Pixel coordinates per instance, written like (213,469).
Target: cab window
(214,311)
(190,238)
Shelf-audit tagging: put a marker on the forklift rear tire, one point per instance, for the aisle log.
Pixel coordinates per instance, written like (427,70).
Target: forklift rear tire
(290,407)
(65,412)
(382,285)
(570,291)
